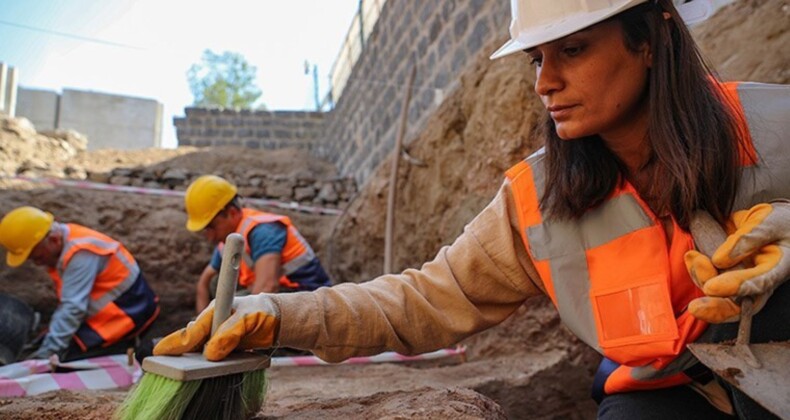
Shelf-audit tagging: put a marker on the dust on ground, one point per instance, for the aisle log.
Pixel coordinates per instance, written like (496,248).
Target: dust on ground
(527,367)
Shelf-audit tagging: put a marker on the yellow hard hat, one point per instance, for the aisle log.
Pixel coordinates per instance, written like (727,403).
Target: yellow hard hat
(21,230)
(205,197)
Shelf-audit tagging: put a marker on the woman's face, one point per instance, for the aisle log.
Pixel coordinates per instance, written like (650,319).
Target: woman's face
(592,84)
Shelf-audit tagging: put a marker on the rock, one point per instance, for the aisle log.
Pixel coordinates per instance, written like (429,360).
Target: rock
(102,177)
(304,193)
(120,180)
(125,172)
(22,127)
(282,189)
(327,194)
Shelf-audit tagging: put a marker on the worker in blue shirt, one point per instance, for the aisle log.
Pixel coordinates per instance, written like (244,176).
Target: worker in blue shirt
(276,256)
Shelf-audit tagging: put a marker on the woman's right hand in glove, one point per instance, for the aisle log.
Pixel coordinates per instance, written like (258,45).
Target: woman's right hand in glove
(254,323)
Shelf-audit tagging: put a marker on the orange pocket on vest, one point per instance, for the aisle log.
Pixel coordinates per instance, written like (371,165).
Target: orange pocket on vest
(637,313)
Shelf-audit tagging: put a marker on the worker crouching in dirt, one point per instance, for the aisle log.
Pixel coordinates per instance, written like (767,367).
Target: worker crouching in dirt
(638,137)
(276,256)
(105,302)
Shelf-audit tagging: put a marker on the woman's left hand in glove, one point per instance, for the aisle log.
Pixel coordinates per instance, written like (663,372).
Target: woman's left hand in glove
(760,238)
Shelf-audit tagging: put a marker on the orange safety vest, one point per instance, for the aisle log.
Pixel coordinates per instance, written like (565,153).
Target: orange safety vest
(615,282)
(121,303)
(296,253)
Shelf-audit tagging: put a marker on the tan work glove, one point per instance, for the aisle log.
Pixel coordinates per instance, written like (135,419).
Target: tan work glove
(760,238)
(253,324)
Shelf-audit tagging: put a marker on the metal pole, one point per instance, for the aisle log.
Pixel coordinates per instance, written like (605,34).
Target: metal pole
(361,26)
(315,88)
(3,83)
(12,84)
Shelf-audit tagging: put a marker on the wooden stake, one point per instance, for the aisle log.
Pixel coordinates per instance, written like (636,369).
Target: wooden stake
(390,225)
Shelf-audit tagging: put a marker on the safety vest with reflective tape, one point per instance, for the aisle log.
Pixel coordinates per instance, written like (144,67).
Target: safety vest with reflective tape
(121,302)
(615,281)
(296,258)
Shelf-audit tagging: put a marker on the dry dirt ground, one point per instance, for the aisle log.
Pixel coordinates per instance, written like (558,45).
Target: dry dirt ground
(527,367)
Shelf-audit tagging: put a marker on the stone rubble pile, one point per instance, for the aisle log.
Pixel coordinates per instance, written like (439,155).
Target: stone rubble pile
(52,154)
(23,151)
(335,192)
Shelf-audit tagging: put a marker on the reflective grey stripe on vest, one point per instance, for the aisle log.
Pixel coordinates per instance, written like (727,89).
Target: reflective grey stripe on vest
(290,266)
(95,305)
(301,260)
(766,108)
(565,242)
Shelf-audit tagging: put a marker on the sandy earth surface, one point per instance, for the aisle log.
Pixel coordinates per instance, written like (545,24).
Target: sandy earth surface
(527,367)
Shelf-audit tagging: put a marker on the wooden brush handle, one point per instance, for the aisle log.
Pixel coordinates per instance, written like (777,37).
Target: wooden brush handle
(708,236)
(226,283)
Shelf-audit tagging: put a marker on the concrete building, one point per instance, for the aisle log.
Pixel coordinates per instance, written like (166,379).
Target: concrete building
(108,121)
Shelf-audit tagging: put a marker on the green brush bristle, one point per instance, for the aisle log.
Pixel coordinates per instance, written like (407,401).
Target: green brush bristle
(157,398)
(228,397)
(254,390)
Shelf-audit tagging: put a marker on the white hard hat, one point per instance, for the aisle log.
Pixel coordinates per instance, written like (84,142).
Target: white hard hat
(535,22)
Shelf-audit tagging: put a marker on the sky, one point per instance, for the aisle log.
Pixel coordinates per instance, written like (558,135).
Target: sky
(143,48)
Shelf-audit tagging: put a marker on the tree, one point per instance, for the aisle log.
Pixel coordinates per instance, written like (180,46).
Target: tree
(223,80)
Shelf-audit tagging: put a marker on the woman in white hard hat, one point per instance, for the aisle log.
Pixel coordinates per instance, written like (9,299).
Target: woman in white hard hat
(638,136)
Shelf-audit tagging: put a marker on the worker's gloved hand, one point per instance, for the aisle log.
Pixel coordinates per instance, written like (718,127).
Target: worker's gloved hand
(760,239)
(254,323)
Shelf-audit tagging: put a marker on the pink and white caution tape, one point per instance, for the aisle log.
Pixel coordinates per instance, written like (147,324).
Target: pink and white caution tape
(386,357)
(32,377)
(87,185)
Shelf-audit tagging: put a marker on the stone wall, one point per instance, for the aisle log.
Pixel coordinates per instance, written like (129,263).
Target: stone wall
(333,192)
(439,36)
(253,129)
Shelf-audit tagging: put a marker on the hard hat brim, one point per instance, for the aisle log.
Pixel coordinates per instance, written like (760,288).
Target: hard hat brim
(197,225)
(553,31)
(15,260)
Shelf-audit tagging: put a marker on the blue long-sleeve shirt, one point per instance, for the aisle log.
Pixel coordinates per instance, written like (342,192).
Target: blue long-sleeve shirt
(266,238)
(78,279)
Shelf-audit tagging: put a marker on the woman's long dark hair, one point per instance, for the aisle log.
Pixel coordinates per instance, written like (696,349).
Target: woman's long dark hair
(694,136)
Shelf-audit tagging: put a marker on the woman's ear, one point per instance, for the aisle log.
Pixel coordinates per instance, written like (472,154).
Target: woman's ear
(647,55)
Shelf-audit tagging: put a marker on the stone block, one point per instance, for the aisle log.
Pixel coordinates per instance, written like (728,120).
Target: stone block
(448,7)
(434,29)
(478,36)
(460,25)
(282,134)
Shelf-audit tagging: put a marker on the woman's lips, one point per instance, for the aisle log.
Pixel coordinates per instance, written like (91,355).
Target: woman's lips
(559,112)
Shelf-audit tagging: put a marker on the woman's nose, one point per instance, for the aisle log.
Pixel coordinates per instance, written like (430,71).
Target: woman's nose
(548,78)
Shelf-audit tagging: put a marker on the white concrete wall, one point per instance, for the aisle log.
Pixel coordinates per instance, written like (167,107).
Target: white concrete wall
(38,106)
(112,121)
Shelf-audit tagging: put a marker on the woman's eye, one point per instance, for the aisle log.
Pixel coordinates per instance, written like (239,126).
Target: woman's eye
(535,61)
(572,51)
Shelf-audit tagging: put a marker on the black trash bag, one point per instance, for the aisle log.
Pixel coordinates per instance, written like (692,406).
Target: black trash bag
(16,322)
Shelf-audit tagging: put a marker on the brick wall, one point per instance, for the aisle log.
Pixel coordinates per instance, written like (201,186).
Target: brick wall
(441,36)
(253,129)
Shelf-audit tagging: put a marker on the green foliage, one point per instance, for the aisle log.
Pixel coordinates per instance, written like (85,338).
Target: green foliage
(223,81)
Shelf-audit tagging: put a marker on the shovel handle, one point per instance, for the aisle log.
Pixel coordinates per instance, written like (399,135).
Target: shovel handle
(708,235)
(226,282)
